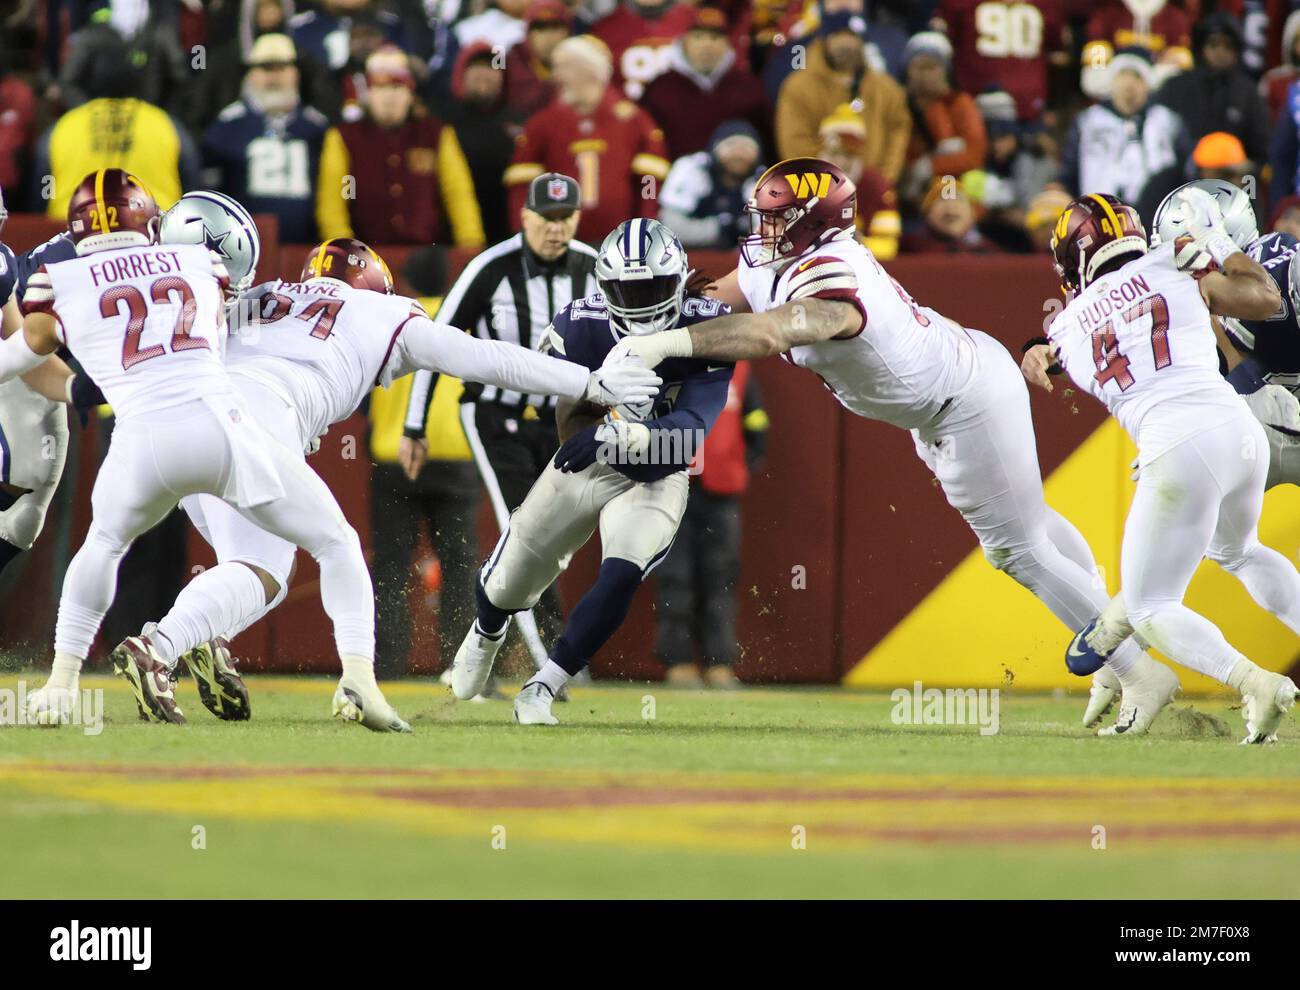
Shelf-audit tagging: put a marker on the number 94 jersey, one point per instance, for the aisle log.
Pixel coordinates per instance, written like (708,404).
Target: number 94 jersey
(146,323)
(1140,340)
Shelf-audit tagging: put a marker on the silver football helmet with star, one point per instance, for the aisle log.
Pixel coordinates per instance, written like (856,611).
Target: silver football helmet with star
(1233,202)
(641,271)
(214,219)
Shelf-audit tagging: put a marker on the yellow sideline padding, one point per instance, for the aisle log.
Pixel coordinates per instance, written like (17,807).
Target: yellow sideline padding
(978,627)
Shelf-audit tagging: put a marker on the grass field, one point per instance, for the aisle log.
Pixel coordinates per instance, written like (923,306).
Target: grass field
(711,797)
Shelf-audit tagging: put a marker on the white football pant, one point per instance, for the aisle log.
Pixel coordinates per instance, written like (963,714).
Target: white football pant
(155,461)
(33,449)
(1202,499)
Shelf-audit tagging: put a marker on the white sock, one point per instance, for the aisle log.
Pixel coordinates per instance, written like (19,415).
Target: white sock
(552,675)
(219,599)
(1124,658)
(359,669)
(65,672)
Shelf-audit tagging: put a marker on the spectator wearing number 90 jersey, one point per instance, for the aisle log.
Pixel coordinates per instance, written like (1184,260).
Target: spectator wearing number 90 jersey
(265,149)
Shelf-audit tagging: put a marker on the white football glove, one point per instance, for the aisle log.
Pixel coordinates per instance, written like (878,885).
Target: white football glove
(630,438)
(624,382)
(1202,242)
(1275,406)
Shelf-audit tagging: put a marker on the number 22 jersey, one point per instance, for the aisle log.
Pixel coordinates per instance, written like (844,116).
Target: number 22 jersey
(1139,339)
(146,323)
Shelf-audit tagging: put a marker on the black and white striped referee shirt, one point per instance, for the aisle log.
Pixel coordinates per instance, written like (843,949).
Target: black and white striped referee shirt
(506,293)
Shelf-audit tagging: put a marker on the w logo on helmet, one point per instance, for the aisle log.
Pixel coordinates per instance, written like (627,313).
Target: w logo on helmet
(807,184)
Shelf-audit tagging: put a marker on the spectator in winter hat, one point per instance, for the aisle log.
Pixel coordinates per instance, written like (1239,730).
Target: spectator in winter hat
(1221,156)
(704,196)
(529,85)
(1123,146)
(949,218)
(703,86)
(1218,94)
(948,136)
(843,138)
(836,73)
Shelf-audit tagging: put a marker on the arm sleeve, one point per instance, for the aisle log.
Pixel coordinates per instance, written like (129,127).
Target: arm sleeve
(969,126)
(331,209)
(458,192)
(16,357)
(437,347)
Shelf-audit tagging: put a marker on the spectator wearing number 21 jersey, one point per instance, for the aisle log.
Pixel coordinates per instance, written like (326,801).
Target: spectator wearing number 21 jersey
(264,149)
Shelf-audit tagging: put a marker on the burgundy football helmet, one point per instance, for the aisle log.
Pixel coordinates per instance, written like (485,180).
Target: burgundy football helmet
(798,204)
(349,260)
(111,208)
(1094,230)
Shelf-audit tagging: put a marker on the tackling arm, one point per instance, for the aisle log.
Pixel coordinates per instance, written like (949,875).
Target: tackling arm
(438,347)
(747,337)
(1241,288)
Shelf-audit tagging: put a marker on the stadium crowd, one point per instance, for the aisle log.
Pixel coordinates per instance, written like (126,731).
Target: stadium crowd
(967,124)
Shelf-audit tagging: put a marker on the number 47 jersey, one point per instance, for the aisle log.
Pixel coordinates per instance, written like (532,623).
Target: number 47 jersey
(146,322)
(1140,340)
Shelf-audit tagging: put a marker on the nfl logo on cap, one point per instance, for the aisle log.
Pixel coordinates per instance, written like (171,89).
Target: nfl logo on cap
(557,189)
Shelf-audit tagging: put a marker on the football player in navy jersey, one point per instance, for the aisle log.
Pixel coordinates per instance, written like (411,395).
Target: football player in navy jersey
(33,425)
(1263,356)
(622,469)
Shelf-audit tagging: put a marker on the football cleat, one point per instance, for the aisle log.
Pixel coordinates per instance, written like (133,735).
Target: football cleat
(1103,694)
(1265,697)
(51,706)
(1147,688)
(473,664)
(366,704)
(221,689)
(533,705)
(1091,648)
(152,682)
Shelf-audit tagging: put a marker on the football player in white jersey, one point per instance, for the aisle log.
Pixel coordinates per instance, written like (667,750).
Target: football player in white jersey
(822,300)
(146,322)
(1138,335)
(306,357)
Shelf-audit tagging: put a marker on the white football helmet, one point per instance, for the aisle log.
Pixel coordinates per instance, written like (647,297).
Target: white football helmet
(641,270)
(1238,215)
(213,218)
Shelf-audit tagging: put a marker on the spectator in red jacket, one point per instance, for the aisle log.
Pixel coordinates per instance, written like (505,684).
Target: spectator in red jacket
(529,85)
(639,34)
(948,136)
(703,86)
(591,131)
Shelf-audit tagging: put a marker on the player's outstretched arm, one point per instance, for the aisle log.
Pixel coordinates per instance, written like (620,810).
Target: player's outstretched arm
(1241,288)
(22,352)
(438,347)
(747,336)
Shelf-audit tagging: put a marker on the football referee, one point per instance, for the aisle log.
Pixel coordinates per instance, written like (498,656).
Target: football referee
(511,292)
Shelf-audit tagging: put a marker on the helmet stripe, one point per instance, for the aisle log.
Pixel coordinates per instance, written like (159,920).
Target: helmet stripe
(1110,213)
(99,200)
(318,263)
